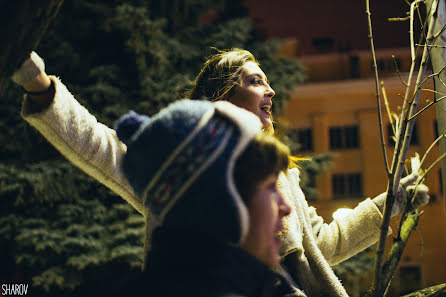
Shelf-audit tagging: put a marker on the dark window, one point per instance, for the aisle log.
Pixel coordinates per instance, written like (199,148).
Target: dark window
(347,185)
(410,279)
(344,137)
(323,44)
(414,140)
(304,137)
(388,65)
(354,67)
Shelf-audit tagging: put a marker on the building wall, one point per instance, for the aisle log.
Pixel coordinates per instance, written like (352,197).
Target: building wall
(331,26)
(331,40)
(321,105)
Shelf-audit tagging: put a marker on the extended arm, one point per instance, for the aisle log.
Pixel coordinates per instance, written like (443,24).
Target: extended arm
(353,230)
(55,113)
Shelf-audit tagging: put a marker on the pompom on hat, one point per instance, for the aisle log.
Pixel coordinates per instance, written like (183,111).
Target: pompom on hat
(180,162)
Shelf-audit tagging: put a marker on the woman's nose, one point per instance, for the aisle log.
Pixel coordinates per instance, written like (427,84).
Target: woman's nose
(270,92)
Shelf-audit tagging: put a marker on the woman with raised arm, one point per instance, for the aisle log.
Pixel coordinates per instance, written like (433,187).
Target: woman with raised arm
(309,247)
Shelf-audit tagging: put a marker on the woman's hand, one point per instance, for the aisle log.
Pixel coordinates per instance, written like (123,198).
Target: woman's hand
(406,189)
(32,77)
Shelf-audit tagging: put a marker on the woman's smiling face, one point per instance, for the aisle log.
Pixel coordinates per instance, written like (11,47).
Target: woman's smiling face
(254,93)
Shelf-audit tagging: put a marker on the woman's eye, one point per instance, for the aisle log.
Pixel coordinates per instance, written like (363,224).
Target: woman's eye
(256,81)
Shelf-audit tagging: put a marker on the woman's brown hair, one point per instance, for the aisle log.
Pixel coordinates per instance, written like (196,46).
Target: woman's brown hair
(220,75)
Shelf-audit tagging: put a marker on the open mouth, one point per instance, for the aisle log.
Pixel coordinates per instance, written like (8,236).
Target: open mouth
(266,108)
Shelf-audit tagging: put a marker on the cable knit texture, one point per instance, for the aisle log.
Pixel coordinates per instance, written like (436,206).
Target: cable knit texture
(96,150)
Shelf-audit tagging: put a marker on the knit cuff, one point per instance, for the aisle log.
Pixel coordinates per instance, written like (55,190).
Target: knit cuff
(30,69)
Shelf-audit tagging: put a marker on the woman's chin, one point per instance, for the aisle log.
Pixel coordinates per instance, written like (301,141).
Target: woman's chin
(266,122)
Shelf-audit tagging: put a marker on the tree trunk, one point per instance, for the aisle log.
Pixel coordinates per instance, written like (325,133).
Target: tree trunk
(22,24)
(438,58)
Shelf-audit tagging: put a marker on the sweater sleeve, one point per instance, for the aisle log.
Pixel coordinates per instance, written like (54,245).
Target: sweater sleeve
(76,134)
(348,234)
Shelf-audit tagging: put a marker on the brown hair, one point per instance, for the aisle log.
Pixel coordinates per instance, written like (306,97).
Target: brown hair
(263,156)
(220,75)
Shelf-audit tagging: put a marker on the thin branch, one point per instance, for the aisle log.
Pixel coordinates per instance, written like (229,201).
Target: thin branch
(432,166)
(412,47)
(434,91)
(431,147)
(439,33)
(442,82)
(432,75)
(398,71)
(398,19)
(377,280)
(386,104)
(432,45)
(378,101)
(426,107)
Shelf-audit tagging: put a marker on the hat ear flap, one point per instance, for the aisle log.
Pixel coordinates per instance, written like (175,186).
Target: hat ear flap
(128,124)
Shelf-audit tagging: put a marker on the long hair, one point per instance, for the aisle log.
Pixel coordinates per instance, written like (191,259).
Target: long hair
(220,75)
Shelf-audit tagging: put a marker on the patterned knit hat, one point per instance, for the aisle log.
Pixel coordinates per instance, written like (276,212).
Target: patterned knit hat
(181,161)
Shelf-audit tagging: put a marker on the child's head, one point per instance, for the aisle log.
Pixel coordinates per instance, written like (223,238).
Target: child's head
(181,163)
(263,156)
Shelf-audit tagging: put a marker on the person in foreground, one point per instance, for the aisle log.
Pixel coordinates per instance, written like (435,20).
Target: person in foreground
(309,245)
(211,227)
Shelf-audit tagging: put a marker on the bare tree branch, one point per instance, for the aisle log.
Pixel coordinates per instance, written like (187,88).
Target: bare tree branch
(405,128)
(426,107)
(431,147)
(398,71)
(375,68)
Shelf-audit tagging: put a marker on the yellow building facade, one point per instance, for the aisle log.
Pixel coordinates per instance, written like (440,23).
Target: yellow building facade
(336,111)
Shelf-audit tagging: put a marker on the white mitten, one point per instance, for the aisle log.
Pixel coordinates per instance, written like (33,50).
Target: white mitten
(407,188)
(30,69)
(421,196)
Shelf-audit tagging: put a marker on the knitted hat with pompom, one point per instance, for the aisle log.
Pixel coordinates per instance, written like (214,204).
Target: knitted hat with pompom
(181,161)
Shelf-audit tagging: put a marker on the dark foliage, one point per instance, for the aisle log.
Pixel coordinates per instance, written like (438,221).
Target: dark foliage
(60,230)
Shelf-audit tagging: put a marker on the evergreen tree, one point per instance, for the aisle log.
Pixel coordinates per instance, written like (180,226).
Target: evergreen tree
(59,229)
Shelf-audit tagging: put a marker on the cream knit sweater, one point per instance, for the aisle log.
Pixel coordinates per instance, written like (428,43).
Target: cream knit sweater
(96,150)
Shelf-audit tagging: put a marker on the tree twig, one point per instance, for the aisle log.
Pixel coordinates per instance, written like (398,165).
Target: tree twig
(386,104)
(398,71)
(432,45)
(375,68)
(431,147)
(426,107)
(398,19)
(432,166)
